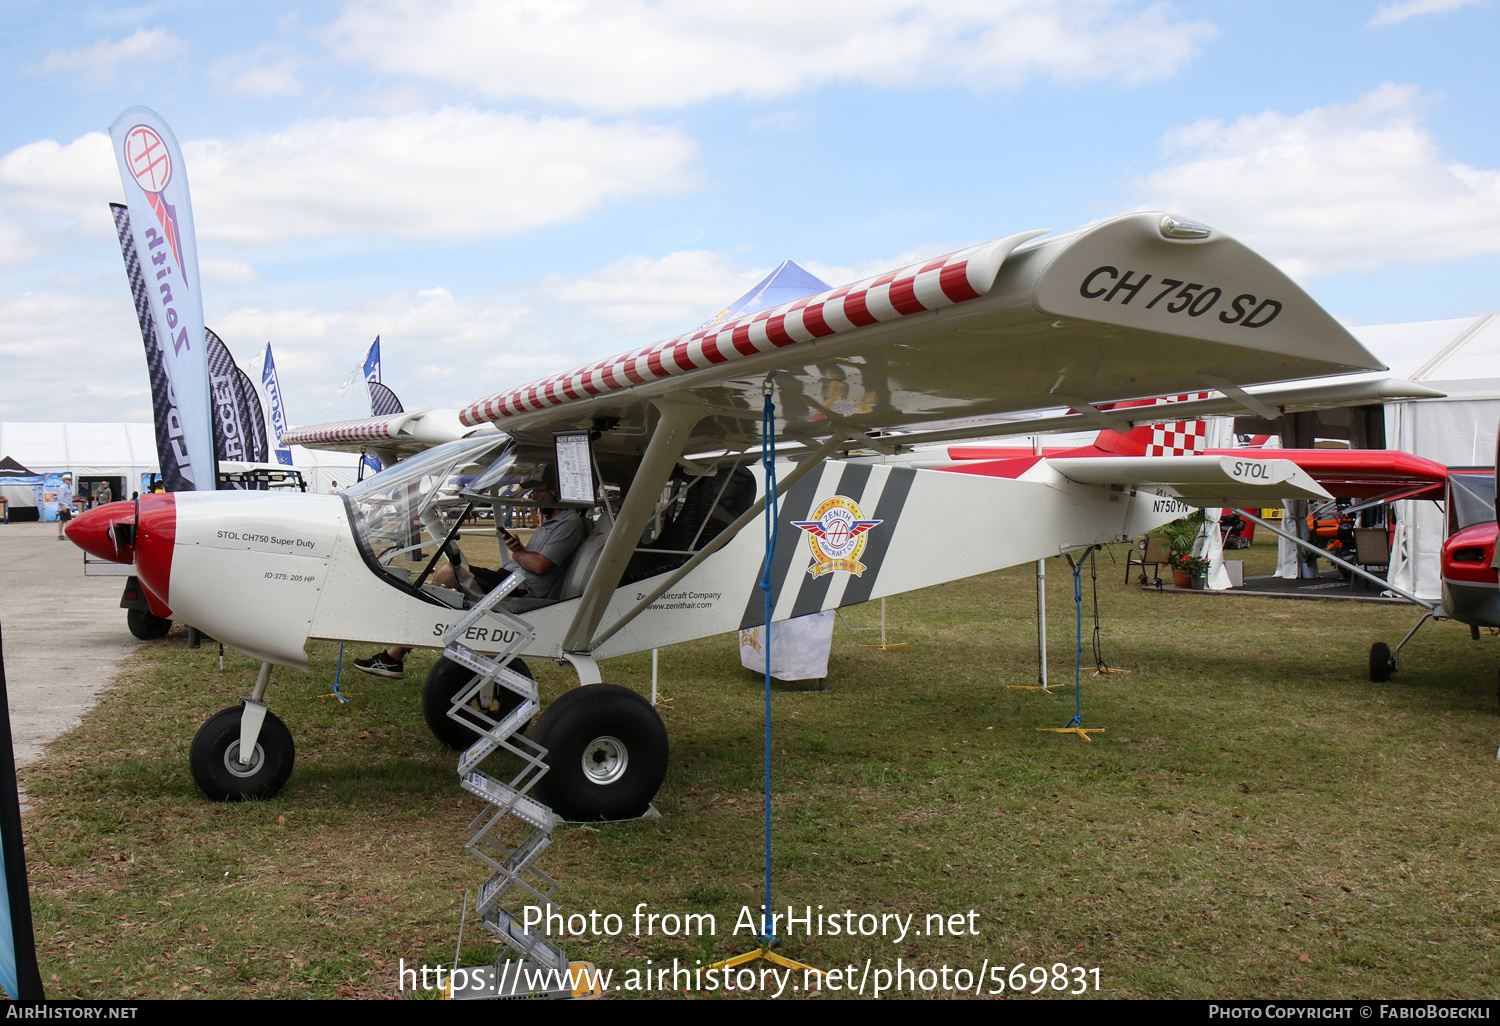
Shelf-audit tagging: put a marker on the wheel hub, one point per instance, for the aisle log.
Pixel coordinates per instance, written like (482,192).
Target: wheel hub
(605,760)
(234,766)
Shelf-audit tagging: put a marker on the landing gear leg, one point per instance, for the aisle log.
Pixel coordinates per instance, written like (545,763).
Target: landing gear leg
(1383,661)
(243,753)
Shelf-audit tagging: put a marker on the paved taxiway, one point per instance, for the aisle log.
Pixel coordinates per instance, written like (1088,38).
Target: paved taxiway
(63,634)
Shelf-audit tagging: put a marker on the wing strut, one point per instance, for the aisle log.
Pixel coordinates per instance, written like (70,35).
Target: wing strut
(805,465)
(1324,554)
(674,428)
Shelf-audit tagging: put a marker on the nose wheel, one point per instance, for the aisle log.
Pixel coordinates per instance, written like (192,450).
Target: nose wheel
(147,626)
(225,774)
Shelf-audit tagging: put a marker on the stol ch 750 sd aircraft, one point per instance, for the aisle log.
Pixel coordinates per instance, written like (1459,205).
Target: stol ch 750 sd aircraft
(664,443)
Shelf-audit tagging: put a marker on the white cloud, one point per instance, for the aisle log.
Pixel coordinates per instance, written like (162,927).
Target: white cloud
(99,65)
(1344,187)
(656,298)
(1392,14)
(48,177)
(227,271)
(620,55)
(439,348)
(265,71)
(640,294)
(453,173)
(442,349)
(55,197)
(16,249)
(58,345)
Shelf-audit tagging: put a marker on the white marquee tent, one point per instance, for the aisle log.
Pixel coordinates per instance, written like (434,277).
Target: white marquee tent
(1462,358)
(128,451)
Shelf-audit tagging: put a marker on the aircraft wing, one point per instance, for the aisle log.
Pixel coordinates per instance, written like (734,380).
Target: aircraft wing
(400,433)
(1384,474)
(1137,306)
(1198,480)
(1293,398)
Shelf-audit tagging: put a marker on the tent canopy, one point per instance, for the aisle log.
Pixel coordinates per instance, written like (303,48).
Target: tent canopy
(113,450)
(1460,357)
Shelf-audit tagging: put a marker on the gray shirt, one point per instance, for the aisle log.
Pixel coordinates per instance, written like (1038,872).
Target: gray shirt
(557,539)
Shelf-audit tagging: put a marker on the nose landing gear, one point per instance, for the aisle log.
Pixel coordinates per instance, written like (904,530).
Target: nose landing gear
(243,753)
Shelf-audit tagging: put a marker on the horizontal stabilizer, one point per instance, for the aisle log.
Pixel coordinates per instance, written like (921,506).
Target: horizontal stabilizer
(1198,480)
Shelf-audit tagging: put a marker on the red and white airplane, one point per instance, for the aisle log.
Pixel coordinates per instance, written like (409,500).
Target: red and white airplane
(1470,582)
(658,448)
(1471,585)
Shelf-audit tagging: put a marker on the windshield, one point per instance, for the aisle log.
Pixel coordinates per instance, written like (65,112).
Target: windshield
(400,515)
(1471,500)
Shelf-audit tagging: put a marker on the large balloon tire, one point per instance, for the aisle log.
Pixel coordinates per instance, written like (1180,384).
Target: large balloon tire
(1381,663)
(214,759)
(607,753)
(147,626)
(444,681)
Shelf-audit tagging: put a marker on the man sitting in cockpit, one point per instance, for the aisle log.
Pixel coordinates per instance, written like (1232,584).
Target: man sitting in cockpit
(543,562)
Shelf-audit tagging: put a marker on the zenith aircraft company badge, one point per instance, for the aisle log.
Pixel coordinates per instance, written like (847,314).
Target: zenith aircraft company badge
(837,536)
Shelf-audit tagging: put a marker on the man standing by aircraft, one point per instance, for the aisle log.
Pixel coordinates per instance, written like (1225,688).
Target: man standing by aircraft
(542,562)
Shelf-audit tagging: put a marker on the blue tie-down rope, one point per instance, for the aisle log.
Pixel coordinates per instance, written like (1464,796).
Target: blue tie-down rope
(768,461)
(338,675)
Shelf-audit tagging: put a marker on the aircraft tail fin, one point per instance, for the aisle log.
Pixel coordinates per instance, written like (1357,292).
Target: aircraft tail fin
(1173,438)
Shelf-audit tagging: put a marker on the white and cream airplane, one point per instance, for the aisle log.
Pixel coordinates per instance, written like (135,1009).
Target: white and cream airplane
(664,443)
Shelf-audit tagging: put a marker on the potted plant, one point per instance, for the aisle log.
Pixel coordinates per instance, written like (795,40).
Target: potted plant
(1196,568)
(1182,535)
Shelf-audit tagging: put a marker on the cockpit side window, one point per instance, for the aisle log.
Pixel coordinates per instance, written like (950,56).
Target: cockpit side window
(691,512)
(402,516)
(1471,500)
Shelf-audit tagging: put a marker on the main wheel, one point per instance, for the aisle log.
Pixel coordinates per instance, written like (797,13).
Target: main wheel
(607,753)
(1381,663)
(146,626)
(444,681)
(215,759)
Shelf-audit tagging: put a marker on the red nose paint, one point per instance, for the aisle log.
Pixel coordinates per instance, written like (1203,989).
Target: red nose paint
(155,536)
(94,531)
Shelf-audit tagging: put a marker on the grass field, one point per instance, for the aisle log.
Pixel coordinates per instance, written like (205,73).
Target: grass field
(1258,819)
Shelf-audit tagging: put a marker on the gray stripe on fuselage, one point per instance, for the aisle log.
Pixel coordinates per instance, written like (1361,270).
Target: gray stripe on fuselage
(814,590)
(888,512)
(795,505)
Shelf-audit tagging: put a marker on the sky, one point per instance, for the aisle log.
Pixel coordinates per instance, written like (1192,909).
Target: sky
(501,189)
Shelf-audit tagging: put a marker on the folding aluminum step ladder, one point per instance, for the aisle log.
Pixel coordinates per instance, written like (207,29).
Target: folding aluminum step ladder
(542,967)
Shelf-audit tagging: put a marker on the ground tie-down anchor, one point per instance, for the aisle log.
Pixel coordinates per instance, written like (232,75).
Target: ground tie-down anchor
(1075,725)
(765,952)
